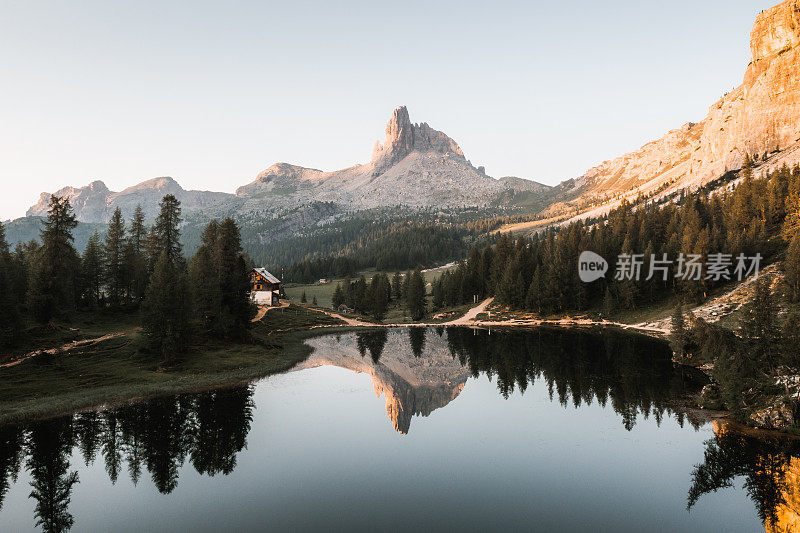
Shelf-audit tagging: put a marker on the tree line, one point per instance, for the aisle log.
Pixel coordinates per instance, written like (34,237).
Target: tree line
(133,268)
(540,274)
(399,247)
(373,298)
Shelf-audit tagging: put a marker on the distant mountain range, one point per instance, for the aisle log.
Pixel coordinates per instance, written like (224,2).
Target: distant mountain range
(416,166)
(422,168)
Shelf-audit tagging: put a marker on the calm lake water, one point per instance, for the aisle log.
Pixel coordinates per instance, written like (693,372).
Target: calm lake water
(397,429)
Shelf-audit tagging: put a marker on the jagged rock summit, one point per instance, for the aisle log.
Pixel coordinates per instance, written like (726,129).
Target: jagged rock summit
(416,166)
(403,137)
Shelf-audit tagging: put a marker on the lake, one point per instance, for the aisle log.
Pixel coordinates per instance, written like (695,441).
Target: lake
(432,429)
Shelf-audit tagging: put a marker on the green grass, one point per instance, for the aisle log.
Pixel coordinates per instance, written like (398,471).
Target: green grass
(324,292)
(83,325)
(118,371)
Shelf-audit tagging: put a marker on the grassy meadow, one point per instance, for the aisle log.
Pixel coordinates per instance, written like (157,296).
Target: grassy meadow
(118,370)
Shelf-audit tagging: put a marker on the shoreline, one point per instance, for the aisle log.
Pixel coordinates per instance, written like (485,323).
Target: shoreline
(281,360)
(295,350)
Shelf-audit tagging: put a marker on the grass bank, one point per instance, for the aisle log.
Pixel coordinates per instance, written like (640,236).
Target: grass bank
(118,371)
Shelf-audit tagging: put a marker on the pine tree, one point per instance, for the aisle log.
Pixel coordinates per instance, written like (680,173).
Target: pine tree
(609,303)
(205,289)
(379,291)
(759,328)
(303,298)
(415,300)
(164,311)
(678,336)
(397,286)
(167,235)
(9,310)
(234,283)
(338,297)
(114,268)
(136,256)
(92,271)
(152,251)
(791,267)
(314,301)
(219,281)
(791,336)
(438,294)
(53,283)
(747,167)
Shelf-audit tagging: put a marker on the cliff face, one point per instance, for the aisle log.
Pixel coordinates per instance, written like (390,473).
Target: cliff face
(763,114)
(760,116)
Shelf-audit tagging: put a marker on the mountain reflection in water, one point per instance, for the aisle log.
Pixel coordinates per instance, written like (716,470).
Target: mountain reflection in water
(417,371)
(633,373)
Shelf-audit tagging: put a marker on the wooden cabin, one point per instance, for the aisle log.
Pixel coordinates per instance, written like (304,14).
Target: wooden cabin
(265,289)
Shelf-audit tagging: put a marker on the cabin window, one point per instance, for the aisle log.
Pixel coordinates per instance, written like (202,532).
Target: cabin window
(258,287)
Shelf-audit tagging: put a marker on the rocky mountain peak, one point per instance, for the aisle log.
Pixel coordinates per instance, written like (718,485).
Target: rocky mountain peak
(98,186)
(776,30)
(163,184)
(403,137)
(399,139)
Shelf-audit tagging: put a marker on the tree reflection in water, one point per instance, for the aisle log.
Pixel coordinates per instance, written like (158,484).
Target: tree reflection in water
(634,373)
(631,374)
(770,467)
(210,428)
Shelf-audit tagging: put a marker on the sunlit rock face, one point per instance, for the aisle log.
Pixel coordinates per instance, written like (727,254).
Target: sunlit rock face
(412,386)
(760,116)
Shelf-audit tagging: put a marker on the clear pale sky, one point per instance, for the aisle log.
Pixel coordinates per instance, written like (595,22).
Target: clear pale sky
(213,93)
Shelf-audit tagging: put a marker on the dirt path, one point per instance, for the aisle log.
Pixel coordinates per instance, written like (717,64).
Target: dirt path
(351,321)
(262,310)
(64,348)
(470,315)
(570,322)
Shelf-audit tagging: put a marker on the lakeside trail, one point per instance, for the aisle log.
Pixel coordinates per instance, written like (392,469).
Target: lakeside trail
(470,319)
(63,348)
(713,310)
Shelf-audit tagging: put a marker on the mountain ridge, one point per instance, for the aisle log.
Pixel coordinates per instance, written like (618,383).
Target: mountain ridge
(415,166)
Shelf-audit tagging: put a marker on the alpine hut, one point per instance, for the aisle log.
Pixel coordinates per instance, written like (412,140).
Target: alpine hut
(265,289)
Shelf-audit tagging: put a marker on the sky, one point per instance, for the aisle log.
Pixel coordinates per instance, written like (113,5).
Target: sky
(211,93)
